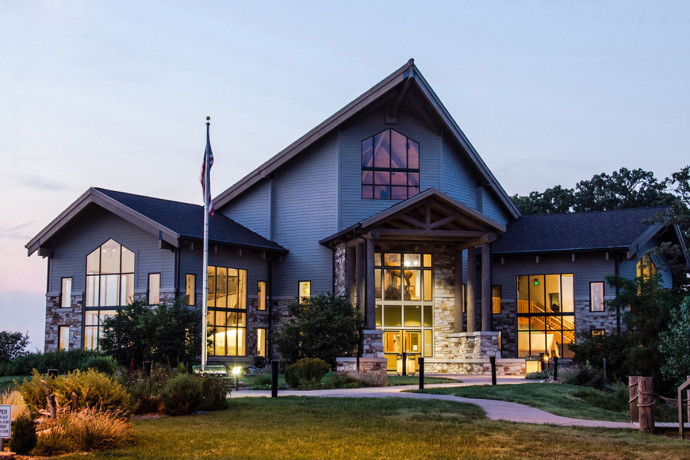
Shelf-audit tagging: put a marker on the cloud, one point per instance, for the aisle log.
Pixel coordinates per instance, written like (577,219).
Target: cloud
(42,183)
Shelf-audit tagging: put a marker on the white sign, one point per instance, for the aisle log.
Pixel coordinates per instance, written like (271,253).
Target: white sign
(5,420)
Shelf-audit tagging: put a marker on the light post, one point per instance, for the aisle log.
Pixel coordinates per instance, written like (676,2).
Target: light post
(236,372)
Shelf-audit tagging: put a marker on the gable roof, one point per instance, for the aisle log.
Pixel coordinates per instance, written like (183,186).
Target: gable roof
(621,229)
(168,220)
(403,76)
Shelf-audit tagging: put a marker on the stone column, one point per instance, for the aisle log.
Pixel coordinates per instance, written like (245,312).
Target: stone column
(471,279)
(486,287)
(370,308)
(459,298)
(350,275)
(360,276)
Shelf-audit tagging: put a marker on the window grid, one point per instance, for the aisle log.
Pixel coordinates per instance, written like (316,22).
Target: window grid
(227,305)
(390,166)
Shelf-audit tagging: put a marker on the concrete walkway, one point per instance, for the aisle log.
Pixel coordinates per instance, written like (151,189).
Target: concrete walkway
(495,410)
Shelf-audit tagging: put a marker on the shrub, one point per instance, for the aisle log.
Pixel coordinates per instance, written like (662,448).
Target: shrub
(537,375)
(322,326)
(85,430)
(214,393)
(23,435)
(145,389)
(64,361)
(306,373)
(90,389)
(104,364)
(583,376)
(333,381)
(181,395)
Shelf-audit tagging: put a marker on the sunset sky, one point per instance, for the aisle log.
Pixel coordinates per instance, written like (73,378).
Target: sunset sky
(115,95)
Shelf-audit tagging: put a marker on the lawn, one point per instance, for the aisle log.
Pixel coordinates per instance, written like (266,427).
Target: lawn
(414,380)
(566,400)
(335,428)
(7,382)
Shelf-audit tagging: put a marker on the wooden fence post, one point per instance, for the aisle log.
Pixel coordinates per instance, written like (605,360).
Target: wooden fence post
(632,391)
(645,403)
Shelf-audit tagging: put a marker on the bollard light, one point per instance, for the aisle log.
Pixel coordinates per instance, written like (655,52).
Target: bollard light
(236,371)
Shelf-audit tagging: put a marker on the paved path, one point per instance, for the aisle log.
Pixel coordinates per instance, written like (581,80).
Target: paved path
(495,410)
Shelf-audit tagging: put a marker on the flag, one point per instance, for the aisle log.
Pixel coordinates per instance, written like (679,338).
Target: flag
(207,190)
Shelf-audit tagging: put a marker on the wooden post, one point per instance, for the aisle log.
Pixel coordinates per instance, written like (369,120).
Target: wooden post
(632,391)
(486,287)
(360,276)
(370,303)
(645,403)
(471,279)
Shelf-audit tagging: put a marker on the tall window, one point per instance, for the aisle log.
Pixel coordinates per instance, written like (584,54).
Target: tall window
(390,166)
(496,300)
(227,306)
(404,304)
(303,290)
(261,292)
(190,286)
(596,296)
(63,338)
(546,315)
(261,342)
(154,290)
(66,293)
(109,284)
(646,267)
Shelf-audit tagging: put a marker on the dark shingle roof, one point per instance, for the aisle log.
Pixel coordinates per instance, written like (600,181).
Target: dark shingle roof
(187,220)
(575,231)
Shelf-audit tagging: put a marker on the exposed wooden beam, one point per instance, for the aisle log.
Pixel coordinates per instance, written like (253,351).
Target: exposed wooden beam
(444,221)
(412,233)
(411,221)
(427,211)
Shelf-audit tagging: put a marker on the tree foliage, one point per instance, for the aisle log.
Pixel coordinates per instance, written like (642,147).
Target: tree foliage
(168,333)
(675,344)
(12,345)
(323,326)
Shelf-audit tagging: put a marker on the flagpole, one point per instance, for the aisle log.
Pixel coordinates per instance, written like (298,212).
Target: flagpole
(204,288)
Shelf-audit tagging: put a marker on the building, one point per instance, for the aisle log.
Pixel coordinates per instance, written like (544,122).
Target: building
(386,202)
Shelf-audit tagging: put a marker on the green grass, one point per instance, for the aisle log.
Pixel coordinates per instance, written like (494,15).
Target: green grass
(335,428)
(414,380)
(566,400)
(7,382)
(250,380)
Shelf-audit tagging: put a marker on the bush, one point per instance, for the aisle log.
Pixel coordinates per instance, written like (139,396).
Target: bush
(214,393)
(333,381)
(23,435)
(583,376)
(64,361)
(182,395)
(85,430)
(104,364)
(543,375)
(322,326)
(145,389)
(90,389)
(306,373)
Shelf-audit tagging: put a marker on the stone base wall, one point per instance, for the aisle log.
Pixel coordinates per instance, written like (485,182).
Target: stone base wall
(372,343)
(56,317)
(473,345)
(371,370)
(474,366)
(586,320)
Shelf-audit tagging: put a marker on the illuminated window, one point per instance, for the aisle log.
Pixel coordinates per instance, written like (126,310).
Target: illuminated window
(63,338)
(404,304)
(227,304)
(261,292)
(390,166)
(109,284)
(496,300)
(261,342)
(304,290)
(546,315)
(66,293)
(190,289)
(154,289)
(600,332)
(646,267)
(596,296)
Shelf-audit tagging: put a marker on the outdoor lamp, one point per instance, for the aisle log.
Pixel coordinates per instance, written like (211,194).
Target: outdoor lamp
(236,371)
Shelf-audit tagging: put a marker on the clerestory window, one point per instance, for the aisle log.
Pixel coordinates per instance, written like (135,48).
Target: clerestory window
(390,166)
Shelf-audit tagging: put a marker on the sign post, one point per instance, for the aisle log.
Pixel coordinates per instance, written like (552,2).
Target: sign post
(5,424)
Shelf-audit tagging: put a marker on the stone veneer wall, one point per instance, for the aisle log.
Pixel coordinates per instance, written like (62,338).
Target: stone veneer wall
(340,269)
(56,317)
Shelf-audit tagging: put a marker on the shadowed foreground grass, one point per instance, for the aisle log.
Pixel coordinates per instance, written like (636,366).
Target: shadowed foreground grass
(566,400)
(339,428)
(414,380)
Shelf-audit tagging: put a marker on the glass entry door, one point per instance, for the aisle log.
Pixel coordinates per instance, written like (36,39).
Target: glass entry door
(397,342)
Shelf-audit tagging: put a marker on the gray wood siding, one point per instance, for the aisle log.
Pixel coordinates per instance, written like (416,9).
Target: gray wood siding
(93,227)
(493,209)
(587,268)
(252,208)
(352,207)
(191,261)
(304,213)
(458,180)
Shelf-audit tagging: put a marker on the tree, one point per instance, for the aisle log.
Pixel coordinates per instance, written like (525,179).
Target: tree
(12,345)
(552,200)
(323,326)
(675,344)
(168,333)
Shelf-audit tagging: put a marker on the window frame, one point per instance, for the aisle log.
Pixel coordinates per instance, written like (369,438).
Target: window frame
(61,328)
(500,299)
(390,169)
(186,288)
(603,297)
(262,295)
(240,310)
(62,291)
(258,342)
(148,288)
(300,297)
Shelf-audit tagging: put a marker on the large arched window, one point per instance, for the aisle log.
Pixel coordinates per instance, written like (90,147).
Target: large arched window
(109,284)
(390,166)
